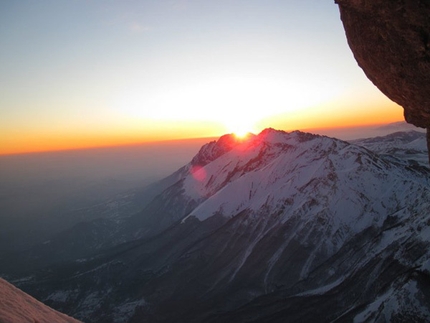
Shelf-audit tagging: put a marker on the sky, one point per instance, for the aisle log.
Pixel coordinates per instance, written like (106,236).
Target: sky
(87,73)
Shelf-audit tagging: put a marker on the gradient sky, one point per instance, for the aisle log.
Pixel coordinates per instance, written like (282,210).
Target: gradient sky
(81,73)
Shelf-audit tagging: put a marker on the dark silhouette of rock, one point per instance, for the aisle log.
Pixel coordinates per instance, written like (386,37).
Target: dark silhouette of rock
(391,42)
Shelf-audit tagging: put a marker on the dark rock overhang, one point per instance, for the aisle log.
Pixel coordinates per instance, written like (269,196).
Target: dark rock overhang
(390,40)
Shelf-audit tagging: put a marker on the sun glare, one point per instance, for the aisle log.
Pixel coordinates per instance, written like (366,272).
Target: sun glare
(241,134)
(240,127)
(235,104)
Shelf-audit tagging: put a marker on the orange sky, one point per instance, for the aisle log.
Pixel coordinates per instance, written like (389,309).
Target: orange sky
(84,74)
(138,131)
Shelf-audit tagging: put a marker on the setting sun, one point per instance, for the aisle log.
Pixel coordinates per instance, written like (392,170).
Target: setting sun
(240,126)
(241,134)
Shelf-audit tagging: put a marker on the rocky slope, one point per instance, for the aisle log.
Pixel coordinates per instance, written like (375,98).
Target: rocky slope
(282,227)
(18,307)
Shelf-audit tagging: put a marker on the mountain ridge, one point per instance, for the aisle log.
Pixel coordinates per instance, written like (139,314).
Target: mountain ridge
(279,216)
(409,146)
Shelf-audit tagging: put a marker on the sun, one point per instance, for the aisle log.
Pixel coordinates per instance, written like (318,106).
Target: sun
(240,127)
(241,134)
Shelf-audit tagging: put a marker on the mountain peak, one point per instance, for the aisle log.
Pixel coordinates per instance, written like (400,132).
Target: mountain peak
(269,131)
(214,149)
(274,136)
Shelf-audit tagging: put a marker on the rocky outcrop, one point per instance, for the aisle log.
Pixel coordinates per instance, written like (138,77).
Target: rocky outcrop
(19,307)
(391,42)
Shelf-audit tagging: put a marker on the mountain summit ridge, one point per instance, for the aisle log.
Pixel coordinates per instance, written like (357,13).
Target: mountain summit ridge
(216,148)
(277,151)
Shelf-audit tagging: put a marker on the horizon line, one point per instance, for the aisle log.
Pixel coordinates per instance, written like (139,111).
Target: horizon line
(173,140)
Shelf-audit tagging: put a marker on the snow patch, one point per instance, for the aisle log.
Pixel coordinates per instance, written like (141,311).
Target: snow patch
(125,311)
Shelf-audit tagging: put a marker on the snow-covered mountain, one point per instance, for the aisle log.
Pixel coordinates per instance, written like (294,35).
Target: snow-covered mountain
(410,146)
(19,307)
(281,227)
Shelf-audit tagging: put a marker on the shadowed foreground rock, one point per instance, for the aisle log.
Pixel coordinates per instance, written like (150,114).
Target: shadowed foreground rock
(391,42)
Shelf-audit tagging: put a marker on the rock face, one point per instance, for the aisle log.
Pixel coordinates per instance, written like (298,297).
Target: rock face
(19,307)
(391,43)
